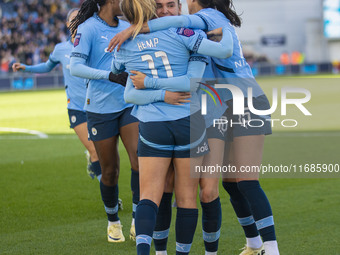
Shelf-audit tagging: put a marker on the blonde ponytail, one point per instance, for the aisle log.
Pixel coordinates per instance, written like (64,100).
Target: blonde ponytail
(137,12)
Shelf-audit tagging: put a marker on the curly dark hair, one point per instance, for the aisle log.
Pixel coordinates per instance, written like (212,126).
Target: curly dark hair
(87,9)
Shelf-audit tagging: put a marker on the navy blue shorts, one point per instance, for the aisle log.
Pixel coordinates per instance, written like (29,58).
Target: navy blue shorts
(76,117)
(183,138)
(249,124)
(219,129)
(103,126)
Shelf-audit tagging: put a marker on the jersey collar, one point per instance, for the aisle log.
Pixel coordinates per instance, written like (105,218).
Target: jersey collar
(96,16)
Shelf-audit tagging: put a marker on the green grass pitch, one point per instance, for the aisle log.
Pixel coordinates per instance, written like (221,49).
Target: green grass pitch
(49,205)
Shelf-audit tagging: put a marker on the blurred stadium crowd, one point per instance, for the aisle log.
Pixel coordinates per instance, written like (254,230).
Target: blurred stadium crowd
(30,29)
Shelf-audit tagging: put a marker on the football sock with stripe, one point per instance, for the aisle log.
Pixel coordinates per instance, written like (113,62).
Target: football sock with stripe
(146,213)
(211,224)
(260,208)
(135,190)
(186,222)
(95,166)
(161,233)
(244,215)
(110,199)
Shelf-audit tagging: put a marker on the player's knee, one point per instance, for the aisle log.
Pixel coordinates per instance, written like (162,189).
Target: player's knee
(190,204)
(208,194)
(186,201)
(109,181)
(110,178)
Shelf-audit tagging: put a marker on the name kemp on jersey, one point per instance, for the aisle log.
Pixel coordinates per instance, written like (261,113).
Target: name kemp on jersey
(152,43)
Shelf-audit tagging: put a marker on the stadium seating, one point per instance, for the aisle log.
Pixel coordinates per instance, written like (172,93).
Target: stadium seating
(30,29)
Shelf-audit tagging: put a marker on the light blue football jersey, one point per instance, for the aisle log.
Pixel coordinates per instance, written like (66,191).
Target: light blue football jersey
(75,87)
(91,43)
(162,54)
(234,69)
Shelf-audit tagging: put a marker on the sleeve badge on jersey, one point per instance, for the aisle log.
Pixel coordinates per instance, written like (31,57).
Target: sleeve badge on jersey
(77,40)
(185,32)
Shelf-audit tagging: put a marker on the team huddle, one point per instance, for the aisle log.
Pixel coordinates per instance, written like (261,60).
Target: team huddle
(144,81)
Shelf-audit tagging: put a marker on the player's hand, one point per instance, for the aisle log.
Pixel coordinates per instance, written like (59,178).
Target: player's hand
(177,98)
(119,78)
(215,35)
(120,38)
(138,79)
(17,67)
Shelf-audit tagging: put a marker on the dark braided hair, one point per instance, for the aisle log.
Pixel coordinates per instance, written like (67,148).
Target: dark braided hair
(87,9)
(224,6)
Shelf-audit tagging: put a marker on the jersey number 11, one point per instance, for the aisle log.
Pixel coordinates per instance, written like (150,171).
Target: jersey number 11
(165,59)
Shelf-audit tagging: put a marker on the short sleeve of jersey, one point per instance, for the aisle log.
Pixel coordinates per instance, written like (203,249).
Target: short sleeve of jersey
(82,42)
(190,38)
(55,55)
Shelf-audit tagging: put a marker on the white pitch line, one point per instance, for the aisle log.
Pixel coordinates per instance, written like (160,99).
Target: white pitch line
(23,137)
(24,131)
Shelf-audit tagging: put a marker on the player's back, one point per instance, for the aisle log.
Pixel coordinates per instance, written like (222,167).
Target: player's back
(162,54)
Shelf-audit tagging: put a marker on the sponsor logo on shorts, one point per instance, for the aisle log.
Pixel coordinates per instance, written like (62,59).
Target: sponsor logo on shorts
(73,119)
(94,131)
(203,148)
(245,118)
(88,101)
(222,126)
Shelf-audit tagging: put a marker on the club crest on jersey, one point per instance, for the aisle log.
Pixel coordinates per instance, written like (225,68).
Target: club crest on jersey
(185,31)
(77,40)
